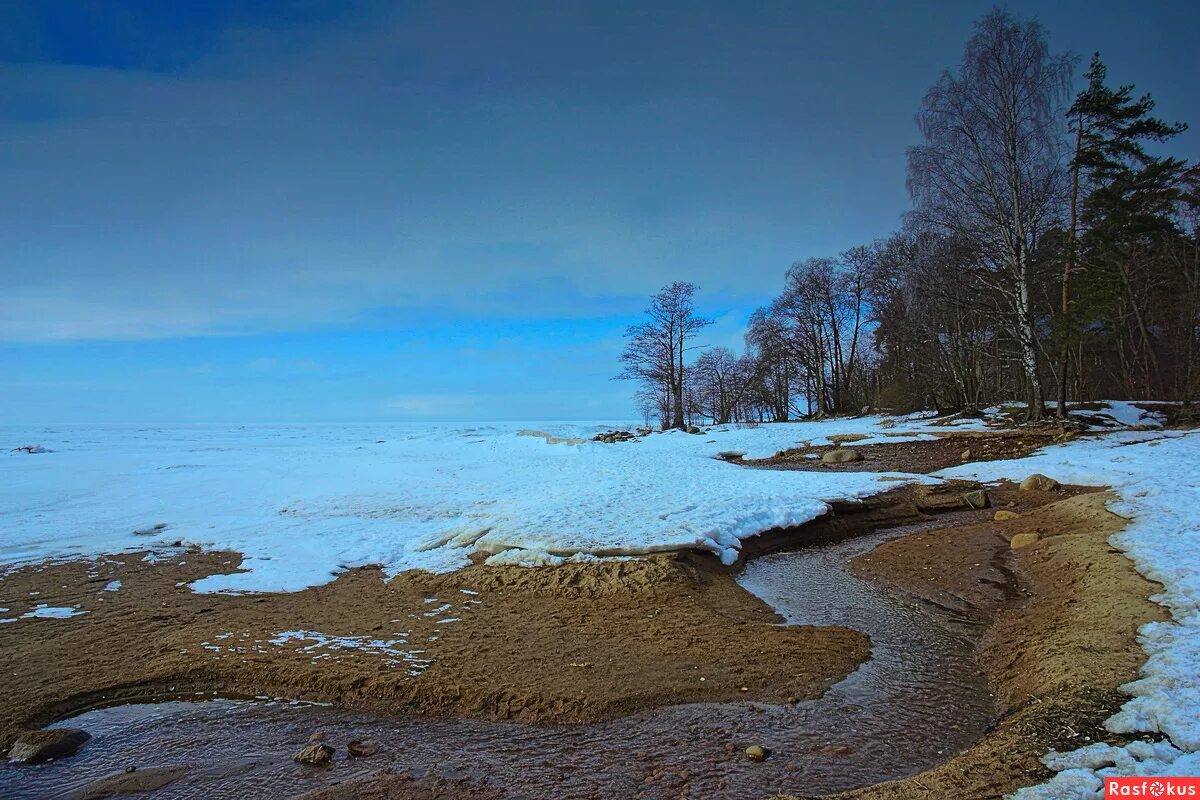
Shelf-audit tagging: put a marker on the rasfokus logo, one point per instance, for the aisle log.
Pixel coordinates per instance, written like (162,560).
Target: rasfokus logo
(1151,787)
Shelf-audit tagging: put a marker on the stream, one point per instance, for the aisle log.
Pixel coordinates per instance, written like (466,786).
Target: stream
(917,701)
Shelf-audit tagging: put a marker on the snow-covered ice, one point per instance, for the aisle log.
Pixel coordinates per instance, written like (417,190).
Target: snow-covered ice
(1156,480)
(305,502)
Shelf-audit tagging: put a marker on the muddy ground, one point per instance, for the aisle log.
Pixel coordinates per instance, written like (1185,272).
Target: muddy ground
(584,642)
(947,450)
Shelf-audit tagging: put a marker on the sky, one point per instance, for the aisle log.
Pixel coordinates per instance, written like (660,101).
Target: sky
(301,210)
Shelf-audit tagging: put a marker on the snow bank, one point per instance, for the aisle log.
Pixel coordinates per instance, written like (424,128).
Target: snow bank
(1155,477)
(305,502)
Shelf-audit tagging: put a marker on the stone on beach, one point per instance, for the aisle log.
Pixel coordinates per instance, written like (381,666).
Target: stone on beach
(315,754)
(757,752)
(977,499)
(1022,540)
(842,455)
(361,748)
(1038,482)
(34,747)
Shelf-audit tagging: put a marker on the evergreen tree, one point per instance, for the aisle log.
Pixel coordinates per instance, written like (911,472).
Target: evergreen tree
(1128,199)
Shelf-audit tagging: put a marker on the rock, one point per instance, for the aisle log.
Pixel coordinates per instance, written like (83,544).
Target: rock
(887,423)
(757,752)
(842,455)
(1039,482)
(315,754)
(731,455)
(612,437)
(1022,540)
(1002,516)
(129,781)
(966,454)
(34,747)
(693,429)
(836,750)
(938,497)
(977,499)
(361,749)
(32,449)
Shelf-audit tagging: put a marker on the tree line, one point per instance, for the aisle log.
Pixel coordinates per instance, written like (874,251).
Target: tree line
(1052,253)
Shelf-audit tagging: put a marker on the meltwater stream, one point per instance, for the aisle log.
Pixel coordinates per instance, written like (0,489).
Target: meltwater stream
(918,700)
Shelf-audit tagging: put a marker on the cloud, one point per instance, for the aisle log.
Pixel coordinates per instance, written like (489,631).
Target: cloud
(333,172)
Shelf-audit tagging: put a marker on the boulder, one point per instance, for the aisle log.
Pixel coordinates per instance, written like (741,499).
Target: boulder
(1022,540)
(977,499)
(34,747)
(1039,482)
(361,748)
(842,455)
(966,454)
(756,752)
(1002,516)
(318,755)
(731,455)
(693,429)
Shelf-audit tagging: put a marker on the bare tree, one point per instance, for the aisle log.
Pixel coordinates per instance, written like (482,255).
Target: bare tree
(721,383)
(991,168)
(654,351)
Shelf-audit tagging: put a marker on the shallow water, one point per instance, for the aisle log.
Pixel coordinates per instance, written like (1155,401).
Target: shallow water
(919,699)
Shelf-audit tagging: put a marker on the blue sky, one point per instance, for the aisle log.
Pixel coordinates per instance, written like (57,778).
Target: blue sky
(256,211)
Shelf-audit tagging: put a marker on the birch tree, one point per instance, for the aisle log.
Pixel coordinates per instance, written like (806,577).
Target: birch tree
(991,167)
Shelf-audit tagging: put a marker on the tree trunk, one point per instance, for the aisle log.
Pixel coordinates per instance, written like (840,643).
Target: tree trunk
(1064,353)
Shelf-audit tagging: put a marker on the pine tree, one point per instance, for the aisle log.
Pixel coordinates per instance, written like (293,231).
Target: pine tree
(1127,196)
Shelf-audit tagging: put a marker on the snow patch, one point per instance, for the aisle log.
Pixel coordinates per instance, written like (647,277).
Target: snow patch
(43,611)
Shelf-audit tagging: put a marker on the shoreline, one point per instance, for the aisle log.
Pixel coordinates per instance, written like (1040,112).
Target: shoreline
(745,657)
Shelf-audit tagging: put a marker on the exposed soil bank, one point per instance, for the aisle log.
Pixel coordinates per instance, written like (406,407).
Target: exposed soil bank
(1055,660)
(920,456)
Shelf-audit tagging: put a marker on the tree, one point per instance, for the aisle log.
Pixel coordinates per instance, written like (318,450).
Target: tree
(1111,166)
(654,350)
(990,170)
(720,383)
